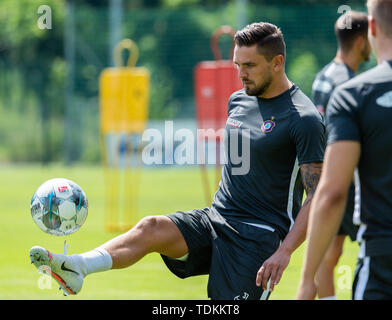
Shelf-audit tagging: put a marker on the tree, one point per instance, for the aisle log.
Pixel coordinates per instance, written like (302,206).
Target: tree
(32,47)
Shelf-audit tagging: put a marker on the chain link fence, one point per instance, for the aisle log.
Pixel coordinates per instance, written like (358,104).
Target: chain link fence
(171,42)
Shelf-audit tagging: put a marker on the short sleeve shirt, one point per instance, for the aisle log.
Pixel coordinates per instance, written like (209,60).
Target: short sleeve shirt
(272,138)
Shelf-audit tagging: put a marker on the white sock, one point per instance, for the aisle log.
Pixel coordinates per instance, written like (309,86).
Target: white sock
(328,298)
(96,260)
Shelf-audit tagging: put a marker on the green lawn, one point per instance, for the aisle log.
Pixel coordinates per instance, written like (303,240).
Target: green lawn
(162,191)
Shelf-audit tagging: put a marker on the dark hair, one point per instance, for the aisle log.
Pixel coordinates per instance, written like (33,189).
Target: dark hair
(268,37)
(349,26)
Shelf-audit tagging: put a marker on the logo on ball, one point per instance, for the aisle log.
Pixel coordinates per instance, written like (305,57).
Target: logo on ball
(62,188)
(59,207)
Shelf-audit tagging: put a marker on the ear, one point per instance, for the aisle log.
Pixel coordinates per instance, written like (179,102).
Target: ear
(278,63)
(372,26)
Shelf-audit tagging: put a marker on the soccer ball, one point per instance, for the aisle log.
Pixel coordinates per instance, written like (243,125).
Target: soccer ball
(59,207)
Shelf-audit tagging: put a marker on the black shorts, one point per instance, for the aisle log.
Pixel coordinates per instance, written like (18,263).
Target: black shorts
(373,278)
(347,226)
(230,252)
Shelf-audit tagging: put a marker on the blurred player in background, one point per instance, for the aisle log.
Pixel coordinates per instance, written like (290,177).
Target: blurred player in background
(353,48)
(359,117)
(248,234)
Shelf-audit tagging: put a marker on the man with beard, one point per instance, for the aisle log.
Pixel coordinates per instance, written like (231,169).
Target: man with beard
(245,239)
(353,48)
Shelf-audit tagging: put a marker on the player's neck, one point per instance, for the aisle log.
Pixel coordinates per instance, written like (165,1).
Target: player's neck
(384,57)
(384,51)
(277,87)
(352,60)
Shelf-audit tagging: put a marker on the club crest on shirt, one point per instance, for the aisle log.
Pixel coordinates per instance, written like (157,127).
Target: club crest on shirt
(267,126)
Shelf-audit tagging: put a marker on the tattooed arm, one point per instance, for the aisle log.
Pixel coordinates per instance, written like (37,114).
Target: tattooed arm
(277,263)
(310,173)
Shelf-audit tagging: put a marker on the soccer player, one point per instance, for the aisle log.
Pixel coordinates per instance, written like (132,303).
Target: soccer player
(359,129)
(353,48)
(248,234)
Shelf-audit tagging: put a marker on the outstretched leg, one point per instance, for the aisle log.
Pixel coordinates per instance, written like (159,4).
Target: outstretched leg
(151,234)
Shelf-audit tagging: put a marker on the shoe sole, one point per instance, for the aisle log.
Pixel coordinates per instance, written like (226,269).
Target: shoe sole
(41,257)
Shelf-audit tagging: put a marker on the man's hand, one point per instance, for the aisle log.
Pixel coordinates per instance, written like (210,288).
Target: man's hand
(306,291)
(273,267)
(278,262)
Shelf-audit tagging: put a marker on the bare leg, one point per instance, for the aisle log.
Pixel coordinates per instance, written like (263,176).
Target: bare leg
(325,273)
(151,234)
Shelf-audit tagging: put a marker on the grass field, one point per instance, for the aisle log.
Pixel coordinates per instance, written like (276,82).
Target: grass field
(162,191)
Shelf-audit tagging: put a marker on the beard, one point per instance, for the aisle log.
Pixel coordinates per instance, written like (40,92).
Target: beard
(261,88)
(366,52)
(366,55)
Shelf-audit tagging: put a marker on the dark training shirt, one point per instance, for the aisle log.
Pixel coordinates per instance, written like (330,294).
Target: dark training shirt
(361,110)
(331,76)
(282,133)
